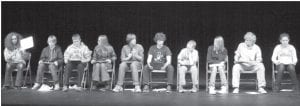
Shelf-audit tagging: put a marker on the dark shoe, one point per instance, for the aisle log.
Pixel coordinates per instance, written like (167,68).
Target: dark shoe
(6,88)
(276,89)
(94,88)
(18,88)
(295,88)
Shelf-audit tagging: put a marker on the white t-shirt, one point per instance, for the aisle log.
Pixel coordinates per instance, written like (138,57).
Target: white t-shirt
(284,55)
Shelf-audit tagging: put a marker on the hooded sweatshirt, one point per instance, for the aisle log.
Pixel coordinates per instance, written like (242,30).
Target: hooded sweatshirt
(81,53)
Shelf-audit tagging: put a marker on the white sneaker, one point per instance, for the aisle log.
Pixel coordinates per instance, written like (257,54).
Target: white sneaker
(65,88)
(236,90)
(56,87)
(180,89)
(262,90)
(36,86)
(212,90)
(223,90)
(137,89)
(193,90)
(118,89)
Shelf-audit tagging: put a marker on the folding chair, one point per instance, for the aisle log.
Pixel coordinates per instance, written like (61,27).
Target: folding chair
(129,80)
(112,71)
(27,71)
(188,72)
(84,78)
(249,80)
(218,81)
(274,76)
(158,82)
(47,72)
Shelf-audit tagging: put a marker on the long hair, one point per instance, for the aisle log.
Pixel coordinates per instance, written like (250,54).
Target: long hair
(8,40)
(219,43)
(103,40)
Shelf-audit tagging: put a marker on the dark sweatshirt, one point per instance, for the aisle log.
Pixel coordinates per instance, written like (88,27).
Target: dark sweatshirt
(52,56)
(214,57)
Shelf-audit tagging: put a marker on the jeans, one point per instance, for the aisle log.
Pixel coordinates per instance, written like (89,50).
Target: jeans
(8,74)
(134,67)
(69,67)
(182,72)
(260,74)
(101,69)
(41,69)
(292,72)
(147,70)
(214,70)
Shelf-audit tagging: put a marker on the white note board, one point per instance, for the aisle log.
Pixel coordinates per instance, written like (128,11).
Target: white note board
(26,43)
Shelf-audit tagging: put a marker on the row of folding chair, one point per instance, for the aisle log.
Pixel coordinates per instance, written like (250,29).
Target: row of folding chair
(86,75)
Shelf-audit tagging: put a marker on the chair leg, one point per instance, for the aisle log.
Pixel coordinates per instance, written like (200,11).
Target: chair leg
(92,84)
(150,80)
(30,78)
(177,80)
(112,79)
(206,82)
(24,81)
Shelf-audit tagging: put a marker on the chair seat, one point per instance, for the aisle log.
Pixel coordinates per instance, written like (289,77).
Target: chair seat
(159,71)
(209,71)
(286,72)
(248,72)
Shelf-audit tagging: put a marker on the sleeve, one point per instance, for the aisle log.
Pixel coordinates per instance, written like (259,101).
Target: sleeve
(197,56)
(67,54)
(294,55)
(7,55)
(258,55)
(60,58)
(179,57)
(87,54)
(168,52)
(225,54)
(238,52)
(123,53)
(209,56)
(94,54)
(141,52)
(114,56)
(43,56)
(274,55)
(151,51)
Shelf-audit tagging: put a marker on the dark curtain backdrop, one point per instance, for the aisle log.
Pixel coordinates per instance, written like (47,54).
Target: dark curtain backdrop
(180,21)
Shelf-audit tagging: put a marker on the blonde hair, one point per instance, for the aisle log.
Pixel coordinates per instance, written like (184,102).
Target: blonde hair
(103,40)
(130,37)
(219,43)
(250,36)
(192,42)
(52,38)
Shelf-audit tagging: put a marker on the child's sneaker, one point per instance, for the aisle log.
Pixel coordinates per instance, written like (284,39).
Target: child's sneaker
(212,90)
(223,90)
(180,89)
(236,90)
(262,90)
(118,89)
(36,86)
(137,89)
(56,87)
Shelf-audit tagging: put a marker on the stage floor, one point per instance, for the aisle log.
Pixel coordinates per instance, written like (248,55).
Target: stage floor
(96,98)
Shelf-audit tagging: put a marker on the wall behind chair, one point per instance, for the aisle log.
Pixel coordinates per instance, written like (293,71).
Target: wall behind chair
(180,21)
